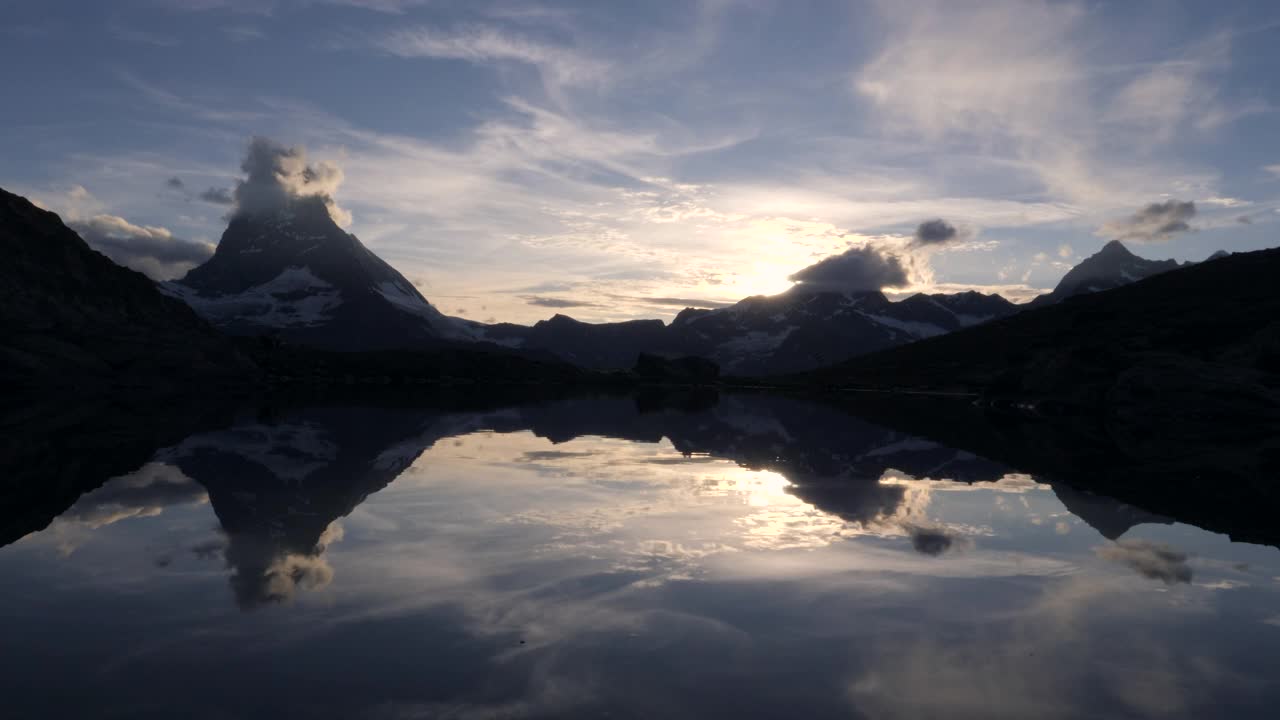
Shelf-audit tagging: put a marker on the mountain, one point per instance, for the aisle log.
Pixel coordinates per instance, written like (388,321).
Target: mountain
(69,316)
(295,275)
(762,335)
(801,329)
(71,319)
(1110,267)
(1199,345)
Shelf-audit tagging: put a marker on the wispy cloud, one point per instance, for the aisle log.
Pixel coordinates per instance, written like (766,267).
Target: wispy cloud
(244,33)
(142,37)
(1017,77)
(558,65)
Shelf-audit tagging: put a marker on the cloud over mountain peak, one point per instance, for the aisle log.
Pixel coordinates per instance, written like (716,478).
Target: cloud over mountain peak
(277,175)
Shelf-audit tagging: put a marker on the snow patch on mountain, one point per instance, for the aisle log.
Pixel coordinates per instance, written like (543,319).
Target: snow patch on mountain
(915,329)
(294,298)
(404,299)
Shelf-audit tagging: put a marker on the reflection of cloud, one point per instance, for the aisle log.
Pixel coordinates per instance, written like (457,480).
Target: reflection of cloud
(536,455)
(931,541)
(264,573)
(142,493)
(208,549)
(1150,559)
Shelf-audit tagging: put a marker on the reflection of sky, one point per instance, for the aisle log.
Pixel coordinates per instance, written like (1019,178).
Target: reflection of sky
(502,575)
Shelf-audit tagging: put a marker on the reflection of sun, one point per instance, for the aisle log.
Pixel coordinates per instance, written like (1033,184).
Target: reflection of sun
(754,488)
(765,488)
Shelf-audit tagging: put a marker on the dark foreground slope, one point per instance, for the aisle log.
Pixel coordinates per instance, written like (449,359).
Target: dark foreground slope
(1204,338)
(70,316)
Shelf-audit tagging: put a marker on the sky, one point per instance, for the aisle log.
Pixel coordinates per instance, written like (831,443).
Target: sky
(616,160)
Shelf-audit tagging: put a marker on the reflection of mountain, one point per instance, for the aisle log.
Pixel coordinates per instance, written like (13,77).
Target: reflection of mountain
(278,482)
(53,453)
(1111,518)
(277,485)
(1221,479)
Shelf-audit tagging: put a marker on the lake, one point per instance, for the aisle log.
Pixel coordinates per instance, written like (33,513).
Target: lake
(618,556)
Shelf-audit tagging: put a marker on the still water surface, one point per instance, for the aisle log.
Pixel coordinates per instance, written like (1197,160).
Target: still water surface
(755,559)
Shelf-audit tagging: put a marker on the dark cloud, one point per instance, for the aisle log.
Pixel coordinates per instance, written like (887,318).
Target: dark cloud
(1244,220)
(277,175)
(860,268)
(153,251)
(670,301)
(217,196)
(1150,559)
(683,302)
(930,541)
(175,183)
(935,232)
(553,302)
(1156,222)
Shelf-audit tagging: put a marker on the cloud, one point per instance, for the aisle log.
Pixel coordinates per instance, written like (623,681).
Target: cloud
(558,66)
(1228,202)
(243,33)
(217,196)
(151,250)
(1156,561)
(554,302)
(1273,169)
(856,269)
(142,37)
(278,175)
(935,232)
(1018,80)
(174,183)
(679,302)
(1244,220)
(1156,222)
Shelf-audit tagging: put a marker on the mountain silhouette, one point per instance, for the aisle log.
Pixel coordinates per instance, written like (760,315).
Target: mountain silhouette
(1111,267)
(294,274)
(69,316)
(1201,341)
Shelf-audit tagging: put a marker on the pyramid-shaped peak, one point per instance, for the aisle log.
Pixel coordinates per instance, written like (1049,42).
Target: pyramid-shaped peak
(1115,248)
